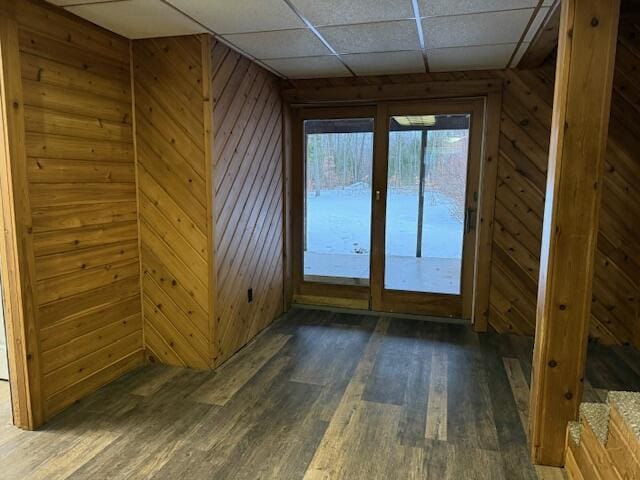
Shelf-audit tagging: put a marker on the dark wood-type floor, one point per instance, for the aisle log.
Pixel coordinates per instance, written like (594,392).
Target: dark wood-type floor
(319,395)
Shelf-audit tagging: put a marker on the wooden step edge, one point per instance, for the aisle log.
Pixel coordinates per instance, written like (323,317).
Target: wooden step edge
(571,467)
(572,451)
(592,456)
(620,448)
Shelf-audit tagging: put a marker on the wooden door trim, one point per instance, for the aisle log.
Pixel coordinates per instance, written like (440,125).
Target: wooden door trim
(392,91)
(377,95)
(486,208)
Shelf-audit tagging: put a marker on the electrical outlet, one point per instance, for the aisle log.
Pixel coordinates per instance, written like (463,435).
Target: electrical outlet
(250,295)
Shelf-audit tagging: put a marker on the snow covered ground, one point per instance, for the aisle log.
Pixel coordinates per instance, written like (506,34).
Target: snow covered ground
(339,224)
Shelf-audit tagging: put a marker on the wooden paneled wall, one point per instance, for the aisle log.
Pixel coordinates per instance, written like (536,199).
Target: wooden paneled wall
(117,198)
(173,176)
(209,155)
(524,144)
(247,153)
(81,177)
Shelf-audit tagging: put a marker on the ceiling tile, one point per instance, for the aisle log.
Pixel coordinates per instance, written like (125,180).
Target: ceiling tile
(429,8)
(469,58)
(535,25)
(241,16)
(373,37)
(279,44)
(138,18)
(475,29)
(344,12)
(384,63)
(309,67)
(518,56)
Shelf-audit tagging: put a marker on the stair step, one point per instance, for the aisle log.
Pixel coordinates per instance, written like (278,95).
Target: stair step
(590,455)
(623,444)
(596,417)
(605,443)
(628,406)
(574,431)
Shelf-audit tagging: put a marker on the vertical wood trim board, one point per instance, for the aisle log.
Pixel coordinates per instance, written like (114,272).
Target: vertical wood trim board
(588,34)
(16,244)
(247,156)
(81,201)
(173,176)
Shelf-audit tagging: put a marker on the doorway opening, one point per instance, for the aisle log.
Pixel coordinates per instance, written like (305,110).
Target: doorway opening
(388,198)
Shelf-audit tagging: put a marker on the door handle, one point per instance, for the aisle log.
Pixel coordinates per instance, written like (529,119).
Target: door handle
(471,219)
(377,195)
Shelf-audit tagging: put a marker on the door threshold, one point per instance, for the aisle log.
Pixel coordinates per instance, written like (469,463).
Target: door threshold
(357,311)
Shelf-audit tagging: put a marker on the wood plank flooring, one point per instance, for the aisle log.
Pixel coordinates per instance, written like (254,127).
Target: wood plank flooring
(318,395)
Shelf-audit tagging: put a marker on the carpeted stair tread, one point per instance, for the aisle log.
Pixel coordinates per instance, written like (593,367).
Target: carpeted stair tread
(628,405)
(596,415)
(575,431)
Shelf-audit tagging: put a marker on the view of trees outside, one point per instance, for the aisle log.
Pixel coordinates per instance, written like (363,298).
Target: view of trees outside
(339,161)
(338,198)
(445,164)
(343,161)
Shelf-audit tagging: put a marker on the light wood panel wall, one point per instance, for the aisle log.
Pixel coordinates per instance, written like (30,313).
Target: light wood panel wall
(524,147)
(522,165)
(82,193)
(173,176)
(247,153)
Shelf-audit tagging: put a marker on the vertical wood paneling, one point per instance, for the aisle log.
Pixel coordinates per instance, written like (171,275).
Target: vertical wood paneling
(247,152)
(80,171)
(174,221)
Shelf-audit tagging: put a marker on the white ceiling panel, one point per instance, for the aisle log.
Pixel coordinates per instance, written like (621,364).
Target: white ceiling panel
(385,63)
(373,37)
(430,8)
(470,58)
(369,36)
(535,25)
(308,67)
(241,16)
(344,12)
(280,44)
(138,18)
(475,29)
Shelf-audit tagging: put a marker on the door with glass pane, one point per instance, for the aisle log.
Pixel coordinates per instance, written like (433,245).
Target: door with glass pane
(427,165)
(333,204)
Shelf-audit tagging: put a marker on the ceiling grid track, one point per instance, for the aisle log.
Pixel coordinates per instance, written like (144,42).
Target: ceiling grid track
(338,38)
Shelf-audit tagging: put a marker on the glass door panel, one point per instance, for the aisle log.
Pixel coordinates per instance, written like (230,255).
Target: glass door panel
(338,160)
(426,198)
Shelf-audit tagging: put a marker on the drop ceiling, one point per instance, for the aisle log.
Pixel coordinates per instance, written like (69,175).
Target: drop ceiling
(334,38)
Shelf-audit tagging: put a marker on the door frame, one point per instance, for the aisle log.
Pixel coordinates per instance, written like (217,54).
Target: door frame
(426,303)
(372,91)
(351,296)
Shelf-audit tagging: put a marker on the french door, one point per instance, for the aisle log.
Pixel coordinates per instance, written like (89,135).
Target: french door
(385,206)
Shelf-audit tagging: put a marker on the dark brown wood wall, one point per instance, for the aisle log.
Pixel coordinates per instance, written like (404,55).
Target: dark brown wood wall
(80,171)
(173,176)
(247,163)
(524,144)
